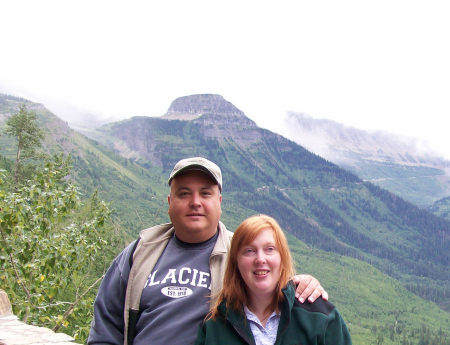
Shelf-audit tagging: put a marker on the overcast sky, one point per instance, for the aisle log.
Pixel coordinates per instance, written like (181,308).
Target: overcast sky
(368,64)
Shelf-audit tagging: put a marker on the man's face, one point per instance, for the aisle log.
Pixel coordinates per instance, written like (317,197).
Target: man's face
(194,206)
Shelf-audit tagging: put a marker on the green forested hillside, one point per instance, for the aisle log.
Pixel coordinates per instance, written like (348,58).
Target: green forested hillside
(338,225)
(441,208)
(321,204)
(377,308)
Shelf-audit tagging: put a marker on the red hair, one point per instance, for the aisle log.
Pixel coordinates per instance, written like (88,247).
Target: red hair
(234,290)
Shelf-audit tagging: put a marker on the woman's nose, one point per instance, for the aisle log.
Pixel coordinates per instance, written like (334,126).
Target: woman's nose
(260,257)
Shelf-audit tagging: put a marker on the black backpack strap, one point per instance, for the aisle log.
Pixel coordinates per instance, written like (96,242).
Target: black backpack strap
(133,317)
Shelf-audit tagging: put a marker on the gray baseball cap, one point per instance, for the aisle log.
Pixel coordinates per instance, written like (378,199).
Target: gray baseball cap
(197,163)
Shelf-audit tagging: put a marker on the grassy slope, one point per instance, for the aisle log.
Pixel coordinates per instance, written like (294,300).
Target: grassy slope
(138,195)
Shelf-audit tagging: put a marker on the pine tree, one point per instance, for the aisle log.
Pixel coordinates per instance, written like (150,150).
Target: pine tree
(24,128)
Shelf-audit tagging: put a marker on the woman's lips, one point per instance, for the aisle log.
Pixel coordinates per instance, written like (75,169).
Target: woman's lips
(261,272)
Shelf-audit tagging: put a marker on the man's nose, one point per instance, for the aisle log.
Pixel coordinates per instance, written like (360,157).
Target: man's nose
(195,200)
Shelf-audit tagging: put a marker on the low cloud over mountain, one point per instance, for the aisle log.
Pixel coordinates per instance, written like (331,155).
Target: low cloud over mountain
(377,156)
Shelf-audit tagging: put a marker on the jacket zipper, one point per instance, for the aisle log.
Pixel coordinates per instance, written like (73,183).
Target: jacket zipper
(238,331)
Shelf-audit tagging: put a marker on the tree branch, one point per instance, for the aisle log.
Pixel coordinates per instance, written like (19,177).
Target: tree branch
(69,311)
(11,259)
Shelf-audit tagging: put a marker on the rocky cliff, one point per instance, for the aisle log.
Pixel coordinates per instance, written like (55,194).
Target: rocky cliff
(13,331)
(207,109)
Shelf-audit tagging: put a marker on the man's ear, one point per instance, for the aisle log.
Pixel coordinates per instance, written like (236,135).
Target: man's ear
(168,199)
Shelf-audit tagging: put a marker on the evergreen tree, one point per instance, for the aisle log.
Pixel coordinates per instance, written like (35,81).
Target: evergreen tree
(24,128)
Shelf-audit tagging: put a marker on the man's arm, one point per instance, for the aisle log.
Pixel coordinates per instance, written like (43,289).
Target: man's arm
(108,323)
(309,288)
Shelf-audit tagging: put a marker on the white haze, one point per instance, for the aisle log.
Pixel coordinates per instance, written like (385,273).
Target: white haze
(372,65)
(343,144)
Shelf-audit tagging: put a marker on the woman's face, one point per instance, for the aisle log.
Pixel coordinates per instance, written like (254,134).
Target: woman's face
(259,264)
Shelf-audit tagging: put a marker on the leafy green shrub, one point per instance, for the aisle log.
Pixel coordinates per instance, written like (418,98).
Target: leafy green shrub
(50,249)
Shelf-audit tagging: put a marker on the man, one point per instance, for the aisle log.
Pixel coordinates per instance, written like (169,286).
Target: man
(160,293)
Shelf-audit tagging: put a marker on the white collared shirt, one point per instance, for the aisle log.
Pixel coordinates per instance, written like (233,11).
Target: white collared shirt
(263,335)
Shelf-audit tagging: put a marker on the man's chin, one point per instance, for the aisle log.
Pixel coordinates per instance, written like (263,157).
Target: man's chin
(194,227)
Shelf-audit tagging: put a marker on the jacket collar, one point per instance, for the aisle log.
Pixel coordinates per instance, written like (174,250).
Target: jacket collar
(222,243)
(239,320)
(165,232)
(157,233)
(289,299)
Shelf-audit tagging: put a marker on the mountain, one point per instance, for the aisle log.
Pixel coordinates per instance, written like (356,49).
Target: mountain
(399,164)
(368,246)
(192,107)
(323,205)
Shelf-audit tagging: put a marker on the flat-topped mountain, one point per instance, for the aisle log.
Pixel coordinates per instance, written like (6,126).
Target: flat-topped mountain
(205,109)
(192,107)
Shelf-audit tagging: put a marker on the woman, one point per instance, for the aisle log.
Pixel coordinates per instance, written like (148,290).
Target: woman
(257,304)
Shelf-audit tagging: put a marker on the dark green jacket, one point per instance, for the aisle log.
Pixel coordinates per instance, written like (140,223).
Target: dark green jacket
(300,324)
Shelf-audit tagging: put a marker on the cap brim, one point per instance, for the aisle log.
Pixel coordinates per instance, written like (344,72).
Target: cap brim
(195,167)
